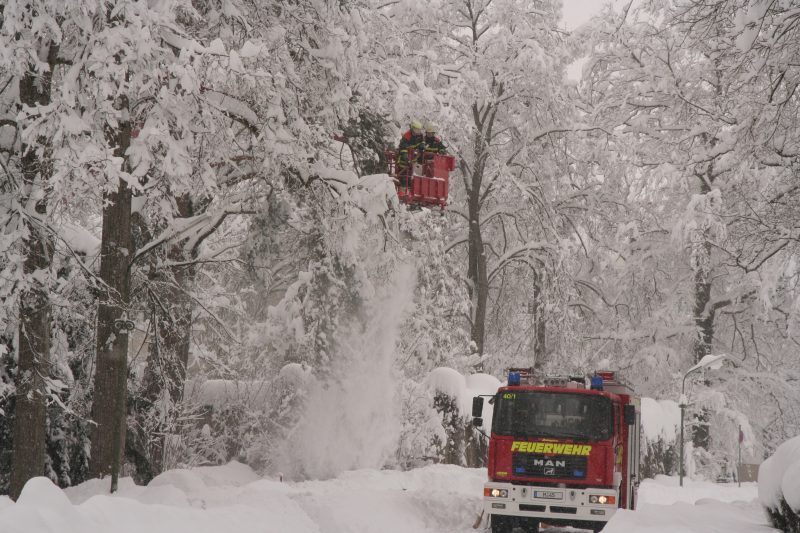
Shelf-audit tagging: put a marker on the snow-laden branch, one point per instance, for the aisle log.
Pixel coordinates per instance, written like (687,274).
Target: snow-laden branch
(178,43)
(192,230)
(456,211)
(500,211)
(461,239)
(179,230)
(598,291)
(69,242)
(233,107)
(231,172)
(525,252)
(543,132)
(715,304)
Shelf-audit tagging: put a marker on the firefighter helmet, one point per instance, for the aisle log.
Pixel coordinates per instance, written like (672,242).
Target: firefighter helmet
(416,126)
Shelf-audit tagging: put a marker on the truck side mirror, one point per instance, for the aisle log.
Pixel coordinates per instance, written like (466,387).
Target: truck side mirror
(477,421)
(477,406)
(629,414)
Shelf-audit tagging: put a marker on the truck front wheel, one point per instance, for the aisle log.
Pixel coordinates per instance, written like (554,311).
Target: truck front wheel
(598,527)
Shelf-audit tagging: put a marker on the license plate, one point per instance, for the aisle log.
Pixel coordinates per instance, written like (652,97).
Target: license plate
(548,494)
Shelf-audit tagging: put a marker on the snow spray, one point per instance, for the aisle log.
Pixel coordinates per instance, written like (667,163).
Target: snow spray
(352,417)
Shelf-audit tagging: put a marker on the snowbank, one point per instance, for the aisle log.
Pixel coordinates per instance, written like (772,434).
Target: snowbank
(438,498)
(779,476)
(779,485)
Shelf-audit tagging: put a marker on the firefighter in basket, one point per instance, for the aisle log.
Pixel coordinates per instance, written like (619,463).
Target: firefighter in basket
(413,140)
(433,143)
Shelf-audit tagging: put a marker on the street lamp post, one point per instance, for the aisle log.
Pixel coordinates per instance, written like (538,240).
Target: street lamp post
(713,361)
(682,405)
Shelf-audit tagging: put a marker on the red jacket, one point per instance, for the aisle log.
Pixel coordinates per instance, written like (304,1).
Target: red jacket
(409,141)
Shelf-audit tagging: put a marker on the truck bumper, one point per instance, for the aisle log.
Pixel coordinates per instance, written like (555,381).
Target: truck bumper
(552,505)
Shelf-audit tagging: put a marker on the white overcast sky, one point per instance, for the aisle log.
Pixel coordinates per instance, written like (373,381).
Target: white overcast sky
(576,12)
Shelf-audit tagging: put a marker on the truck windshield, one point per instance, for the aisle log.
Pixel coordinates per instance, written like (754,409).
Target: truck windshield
(553,414)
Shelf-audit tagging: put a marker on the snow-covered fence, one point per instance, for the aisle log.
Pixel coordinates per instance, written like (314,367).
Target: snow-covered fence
(779,486)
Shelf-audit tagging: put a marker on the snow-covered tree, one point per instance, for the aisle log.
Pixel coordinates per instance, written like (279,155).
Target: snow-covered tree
(700,156)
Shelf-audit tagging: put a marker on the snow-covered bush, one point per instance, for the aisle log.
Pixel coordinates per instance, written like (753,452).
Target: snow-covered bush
(779,486)
(421,427)
(241,420)
(462,444)
(452,399)
(660,427)
(661,433)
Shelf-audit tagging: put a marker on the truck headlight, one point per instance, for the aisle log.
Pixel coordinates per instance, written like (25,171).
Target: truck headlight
(602,499)
(495,493)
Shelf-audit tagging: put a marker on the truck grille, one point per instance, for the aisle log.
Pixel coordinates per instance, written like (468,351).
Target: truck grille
(557,466)
(533,508)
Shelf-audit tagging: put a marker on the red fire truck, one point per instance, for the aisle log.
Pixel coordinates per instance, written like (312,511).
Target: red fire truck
(563,451)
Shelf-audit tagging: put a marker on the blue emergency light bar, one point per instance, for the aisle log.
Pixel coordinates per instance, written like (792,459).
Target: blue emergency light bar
(597,383)
(513,379)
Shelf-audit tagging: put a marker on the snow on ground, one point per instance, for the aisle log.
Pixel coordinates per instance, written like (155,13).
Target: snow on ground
(697,507)
(440,498)
(665,490)
(232,498)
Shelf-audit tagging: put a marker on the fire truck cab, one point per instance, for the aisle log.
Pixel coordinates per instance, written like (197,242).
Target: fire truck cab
(563,451)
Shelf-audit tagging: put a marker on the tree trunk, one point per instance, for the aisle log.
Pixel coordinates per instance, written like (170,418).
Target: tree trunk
(477,275)
(539,330)
(34,322)
(703,318)
(110,382)
(476,272)
(703,314)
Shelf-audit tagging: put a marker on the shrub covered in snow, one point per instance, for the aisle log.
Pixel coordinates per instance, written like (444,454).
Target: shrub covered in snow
(660,427)
(779,486)
(453,392)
